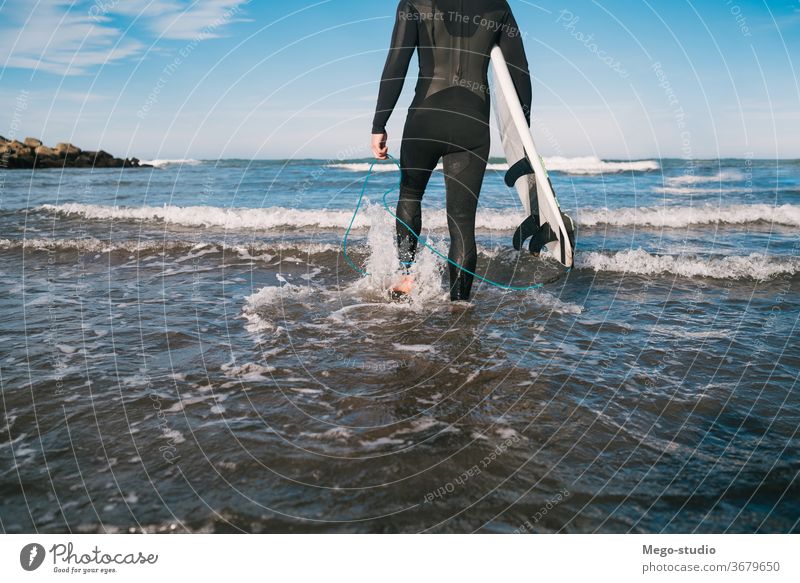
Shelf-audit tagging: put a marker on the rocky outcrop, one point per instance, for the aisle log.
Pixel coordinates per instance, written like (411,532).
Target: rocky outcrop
(63,149)
(45,152)
(33,154)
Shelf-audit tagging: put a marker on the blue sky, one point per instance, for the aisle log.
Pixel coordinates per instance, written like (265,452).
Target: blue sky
(298,79)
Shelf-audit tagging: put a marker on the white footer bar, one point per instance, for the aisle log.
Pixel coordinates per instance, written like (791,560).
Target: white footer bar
(401,558)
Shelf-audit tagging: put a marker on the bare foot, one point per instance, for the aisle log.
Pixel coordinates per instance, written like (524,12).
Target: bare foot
(403,287)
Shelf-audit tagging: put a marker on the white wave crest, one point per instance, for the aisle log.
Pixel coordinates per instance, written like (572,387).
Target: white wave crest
(241,219)
(679,217)
(638,261)
(581,165)
(262,309)
(265,218)
(723,176)
(163,163)
(693,190)
(594,165)
(252,251)
(554,303)
(209,216)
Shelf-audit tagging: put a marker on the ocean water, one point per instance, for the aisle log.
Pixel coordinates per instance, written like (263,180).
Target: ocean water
(186,349)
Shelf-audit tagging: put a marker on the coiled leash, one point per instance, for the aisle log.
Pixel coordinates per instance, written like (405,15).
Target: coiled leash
(421,241)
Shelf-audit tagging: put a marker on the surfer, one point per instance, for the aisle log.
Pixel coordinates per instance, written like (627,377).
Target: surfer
(448,118)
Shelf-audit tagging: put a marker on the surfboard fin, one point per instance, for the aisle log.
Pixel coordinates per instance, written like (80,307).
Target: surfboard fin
(517,171)
(541,235)
(527,229)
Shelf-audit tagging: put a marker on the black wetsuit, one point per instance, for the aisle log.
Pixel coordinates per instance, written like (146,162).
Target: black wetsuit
(449,117)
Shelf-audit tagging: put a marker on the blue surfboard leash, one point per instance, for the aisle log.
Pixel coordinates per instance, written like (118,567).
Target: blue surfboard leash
(421,241)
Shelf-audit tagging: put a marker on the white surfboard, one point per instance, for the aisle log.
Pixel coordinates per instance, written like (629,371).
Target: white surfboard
(526,168)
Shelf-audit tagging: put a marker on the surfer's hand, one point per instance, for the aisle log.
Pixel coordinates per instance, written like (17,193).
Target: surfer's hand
(379,147)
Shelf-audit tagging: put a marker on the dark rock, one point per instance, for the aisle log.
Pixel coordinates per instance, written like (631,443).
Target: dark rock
(33,154)
(18,146)
(83,160)
(66,149)
(14,162)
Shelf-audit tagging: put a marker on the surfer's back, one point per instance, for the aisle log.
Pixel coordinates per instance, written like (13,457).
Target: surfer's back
(454,39)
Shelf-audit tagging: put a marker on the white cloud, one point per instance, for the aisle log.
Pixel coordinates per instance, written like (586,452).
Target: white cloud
(73,38)
(56,37)
(185,20)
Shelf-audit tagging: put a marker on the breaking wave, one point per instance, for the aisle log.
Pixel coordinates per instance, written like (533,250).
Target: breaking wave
(164,163)
(581,165)
(255,251)
(679,217)
(638,261)
(723,176)
(488,219)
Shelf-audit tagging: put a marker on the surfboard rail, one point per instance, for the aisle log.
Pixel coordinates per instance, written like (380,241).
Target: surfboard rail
(526,169)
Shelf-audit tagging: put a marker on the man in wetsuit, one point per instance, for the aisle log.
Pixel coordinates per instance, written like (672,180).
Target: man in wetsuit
(449,117)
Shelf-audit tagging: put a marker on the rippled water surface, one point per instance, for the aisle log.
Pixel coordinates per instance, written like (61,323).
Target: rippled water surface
(186,348)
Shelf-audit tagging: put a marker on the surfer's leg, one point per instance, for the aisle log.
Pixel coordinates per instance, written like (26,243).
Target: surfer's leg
(464,173)
(418,158)
(409,214)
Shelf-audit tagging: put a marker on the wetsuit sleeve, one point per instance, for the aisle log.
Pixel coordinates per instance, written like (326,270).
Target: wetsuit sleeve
(514,52)
(404,41)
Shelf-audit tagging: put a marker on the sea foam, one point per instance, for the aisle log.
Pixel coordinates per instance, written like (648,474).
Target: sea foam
(638,261)
(242,219)
(164,163)
(722,176)
(679,217)
(581,165)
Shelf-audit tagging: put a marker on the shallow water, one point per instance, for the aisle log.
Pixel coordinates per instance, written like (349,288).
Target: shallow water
(186,348)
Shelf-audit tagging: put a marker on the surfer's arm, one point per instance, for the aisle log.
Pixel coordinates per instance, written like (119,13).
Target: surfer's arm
(514,52)
(404,42)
